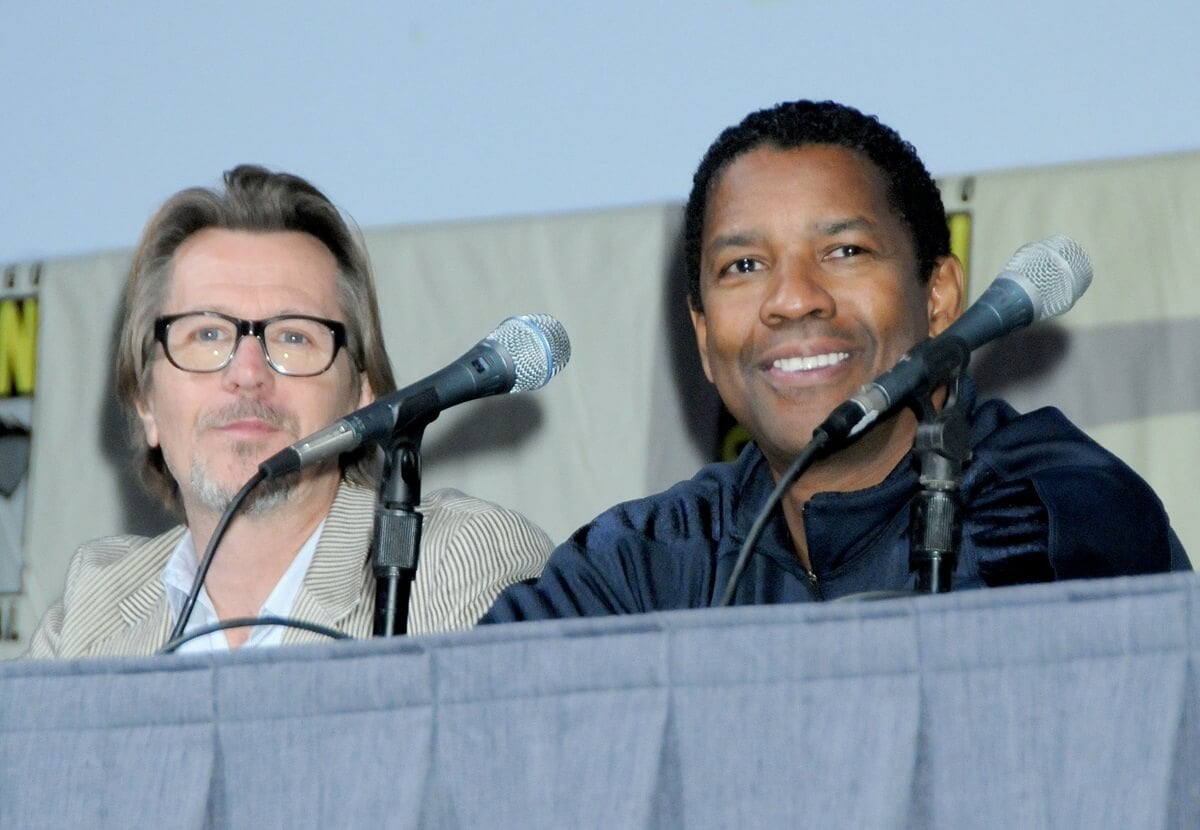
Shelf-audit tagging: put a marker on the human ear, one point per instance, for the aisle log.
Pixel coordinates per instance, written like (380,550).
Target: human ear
(700,324)
(366,394)
(944,294)
(149,423)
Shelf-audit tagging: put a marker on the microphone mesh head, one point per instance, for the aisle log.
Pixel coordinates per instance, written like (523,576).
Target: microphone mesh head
(539,347)
(1059,270)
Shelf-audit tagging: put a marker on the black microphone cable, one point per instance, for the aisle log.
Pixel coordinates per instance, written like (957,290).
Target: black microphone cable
(813,450)
(231,509)
(177,638)
(242,622)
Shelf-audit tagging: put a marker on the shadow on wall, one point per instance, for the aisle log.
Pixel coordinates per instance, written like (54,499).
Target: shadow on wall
(142,513)
(697,399)
(1098,375)
(497,424)
(1029,357)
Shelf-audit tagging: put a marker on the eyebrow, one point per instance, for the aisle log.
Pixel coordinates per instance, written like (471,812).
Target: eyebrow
(748,239)
(732,240)
(856,223)
(223,309)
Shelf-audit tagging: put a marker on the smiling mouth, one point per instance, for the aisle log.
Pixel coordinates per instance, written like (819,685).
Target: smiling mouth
(810,362)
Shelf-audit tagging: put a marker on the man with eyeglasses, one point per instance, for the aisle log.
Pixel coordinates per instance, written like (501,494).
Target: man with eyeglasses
(250,321)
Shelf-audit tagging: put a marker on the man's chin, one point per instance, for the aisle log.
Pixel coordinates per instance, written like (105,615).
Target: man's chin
(217,494)
(787,438)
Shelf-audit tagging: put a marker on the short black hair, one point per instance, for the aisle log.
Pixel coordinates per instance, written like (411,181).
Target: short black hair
(794,124)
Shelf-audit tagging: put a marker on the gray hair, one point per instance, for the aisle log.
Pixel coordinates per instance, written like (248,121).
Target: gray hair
(257,200)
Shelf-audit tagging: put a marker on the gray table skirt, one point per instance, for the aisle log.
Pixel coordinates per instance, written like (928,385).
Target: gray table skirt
(1066,705)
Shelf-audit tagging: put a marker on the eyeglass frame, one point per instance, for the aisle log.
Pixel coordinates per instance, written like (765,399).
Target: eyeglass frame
(253,328)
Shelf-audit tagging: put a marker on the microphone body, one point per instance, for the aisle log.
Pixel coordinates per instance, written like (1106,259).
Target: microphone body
(522,354)
(1043,279)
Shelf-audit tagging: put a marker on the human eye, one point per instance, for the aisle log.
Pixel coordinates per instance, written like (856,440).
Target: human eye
(743,265)
(847,251)
(208,334)
(201,328)
(293,337)
(296,333)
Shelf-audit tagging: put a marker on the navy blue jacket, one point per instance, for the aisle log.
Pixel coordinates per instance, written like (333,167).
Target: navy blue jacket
(1040,501)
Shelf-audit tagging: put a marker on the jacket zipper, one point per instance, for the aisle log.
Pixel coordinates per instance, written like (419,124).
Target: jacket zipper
(814,585)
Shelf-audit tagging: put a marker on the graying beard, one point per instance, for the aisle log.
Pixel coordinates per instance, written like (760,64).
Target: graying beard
(265,498)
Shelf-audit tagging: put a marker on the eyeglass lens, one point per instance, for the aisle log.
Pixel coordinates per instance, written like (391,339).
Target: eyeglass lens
(294,345)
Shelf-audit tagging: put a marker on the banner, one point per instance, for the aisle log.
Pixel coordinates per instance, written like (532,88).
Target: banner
(18,370)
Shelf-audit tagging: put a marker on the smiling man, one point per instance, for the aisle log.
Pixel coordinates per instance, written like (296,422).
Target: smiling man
(817,254)
(250,322)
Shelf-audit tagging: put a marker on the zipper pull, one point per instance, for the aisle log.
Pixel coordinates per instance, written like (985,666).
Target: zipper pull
(814,584)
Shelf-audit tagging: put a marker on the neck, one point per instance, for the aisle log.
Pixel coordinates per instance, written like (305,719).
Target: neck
(257,549)
(863,464)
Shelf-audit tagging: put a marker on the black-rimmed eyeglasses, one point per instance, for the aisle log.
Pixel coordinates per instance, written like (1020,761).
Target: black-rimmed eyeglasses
(294,344)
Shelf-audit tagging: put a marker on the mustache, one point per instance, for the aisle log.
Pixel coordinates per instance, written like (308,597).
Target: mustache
(812,327)
(805,329)
(248,409)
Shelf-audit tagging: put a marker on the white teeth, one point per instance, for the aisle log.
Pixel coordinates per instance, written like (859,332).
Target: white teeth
(807,364)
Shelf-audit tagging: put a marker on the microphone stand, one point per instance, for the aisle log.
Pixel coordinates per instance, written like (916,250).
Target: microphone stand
(396,539)
(935,529)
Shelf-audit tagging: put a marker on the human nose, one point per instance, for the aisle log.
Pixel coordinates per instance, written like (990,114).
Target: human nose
(796,290)
(248,368)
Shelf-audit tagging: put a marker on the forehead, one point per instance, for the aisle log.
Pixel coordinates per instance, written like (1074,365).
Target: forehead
(810,183)
(245,273)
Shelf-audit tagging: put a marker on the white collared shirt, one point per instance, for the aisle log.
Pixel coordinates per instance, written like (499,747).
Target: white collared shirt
(180,572)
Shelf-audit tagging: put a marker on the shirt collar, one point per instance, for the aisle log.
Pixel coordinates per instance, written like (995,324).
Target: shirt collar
(180,573)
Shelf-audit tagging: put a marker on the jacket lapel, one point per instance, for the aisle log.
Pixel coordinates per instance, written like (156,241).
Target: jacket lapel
(339,591)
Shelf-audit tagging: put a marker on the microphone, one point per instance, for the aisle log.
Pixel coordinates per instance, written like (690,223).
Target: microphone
(1042,280)
(522,354)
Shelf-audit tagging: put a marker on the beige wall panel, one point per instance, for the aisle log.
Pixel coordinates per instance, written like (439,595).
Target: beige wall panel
(585,441)
(1122,363)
